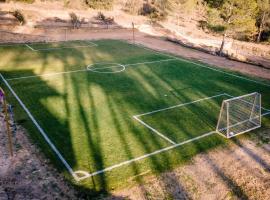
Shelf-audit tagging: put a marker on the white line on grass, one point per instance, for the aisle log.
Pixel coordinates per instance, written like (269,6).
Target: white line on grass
(198,64)
(267,113)
(90,44)
(85,70)
(41,130)
(145,156)
(154,130)
(150,62)
(30,47)
(179,105)
(46,75)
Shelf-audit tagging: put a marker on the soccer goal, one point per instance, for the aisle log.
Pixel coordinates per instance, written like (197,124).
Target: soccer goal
(239,115)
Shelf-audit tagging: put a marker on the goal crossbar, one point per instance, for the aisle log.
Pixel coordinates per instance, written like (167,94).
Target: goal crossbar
(239,115)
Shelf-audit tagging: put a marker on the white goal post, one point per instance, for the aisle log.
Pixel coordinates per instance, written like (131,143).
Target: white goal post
(239,115)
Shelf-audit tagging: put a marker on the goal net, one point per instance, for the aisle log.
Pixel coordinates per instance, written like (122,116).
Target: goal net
(239,115)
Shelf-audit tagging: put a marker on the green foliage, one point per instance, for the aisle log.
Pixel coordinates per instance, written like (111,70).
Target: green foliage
(102,17)
(263,20)
(19,16)
(214,3)
(238,17)
(133,6)
(100,4)
(155,11)
(25,1)
(74,20)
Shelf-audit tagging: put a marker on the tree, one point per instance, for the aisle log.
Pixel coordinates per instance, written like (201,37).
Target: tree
(263,16)
(234,17)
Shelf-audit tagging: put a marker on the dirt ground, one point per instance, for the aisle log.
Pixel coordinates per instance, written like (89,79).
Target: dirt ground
(241,171)
(27,175)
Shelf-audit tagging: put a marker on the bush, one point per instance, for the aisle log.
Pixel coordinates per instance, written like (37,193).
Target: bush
(153,12)
(74,20)
(133,6)
(102,17)
(100,4)
(216,28)
(19,16)
(25,1)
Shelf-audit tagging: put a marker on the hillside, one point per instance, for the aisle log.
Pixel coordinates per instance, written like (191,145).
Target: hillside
(182,24)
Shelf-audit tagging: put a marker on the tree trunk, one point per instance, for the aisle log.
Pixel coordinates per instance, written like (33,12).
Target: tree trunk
(222,45)
(261,28)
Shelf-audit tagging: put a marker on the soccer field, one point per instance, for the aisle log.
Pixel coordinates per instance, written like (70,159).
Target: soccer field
(106,111)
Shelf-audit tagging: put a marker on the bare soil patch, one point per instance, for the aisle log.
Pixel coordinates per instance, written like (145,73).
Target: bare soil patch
(28,174)
(241,171)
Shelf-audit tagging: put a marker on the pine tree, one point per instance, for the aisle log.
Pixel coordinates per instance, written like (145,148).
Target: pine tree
(263,16)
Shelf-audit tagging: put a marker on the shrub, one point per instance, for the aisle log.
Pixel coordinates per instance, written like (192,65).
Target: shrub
(101,16)
(74,20)
(19,16)
(216,28)
(25,1)
(153,12)
(133,6)
(100,4)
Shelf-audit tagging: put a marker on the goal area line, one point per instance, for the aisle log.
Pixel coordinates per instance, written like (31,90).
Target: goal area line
(88,44)
(80,175)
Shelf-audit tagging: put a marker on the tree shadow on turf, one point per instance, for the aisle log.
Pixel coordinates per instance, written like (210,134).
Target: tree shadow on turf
(124,95)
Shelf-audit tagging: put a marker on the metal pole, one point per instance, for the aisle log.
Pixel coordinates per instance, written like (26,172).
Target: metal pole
(7,125)
(133,31)
(65,34)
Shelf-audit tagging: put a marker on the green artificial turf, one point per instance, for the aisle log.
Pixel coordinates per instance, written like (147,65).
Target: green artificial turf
(88,115)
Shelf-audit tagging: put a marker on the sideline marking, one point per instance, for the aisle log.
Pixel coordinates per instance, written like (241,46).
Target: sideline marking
(56,151)
(85,70)
(91,44)
(198,64)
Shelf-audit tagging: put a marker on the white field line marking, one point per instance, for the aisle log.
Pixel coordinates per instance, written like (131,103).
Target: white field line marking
(90,44)
(30,47)
(268,113)
(150,62)
(247,102)
(84,70)
(87,175)
(41,130)
(145,156)
(49,74)
(198,64)
(154,130)
(180,105)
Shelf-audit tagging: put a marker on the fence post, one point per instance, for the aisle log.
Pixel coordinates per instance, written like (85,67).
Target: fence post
(2,95)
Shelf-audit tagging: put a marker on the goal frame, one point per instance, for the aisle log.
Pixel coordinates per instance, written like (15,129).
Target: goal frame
(226,102)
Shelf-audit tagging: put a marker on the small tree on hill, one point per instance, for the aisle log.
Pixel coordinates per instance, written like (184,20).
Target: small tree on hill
(237,17)
(263,16)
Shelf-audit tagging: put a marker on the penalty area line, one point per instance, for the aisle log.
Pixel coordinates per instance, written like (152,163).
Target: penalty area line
(154,130)
(87,175)
(183,104)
